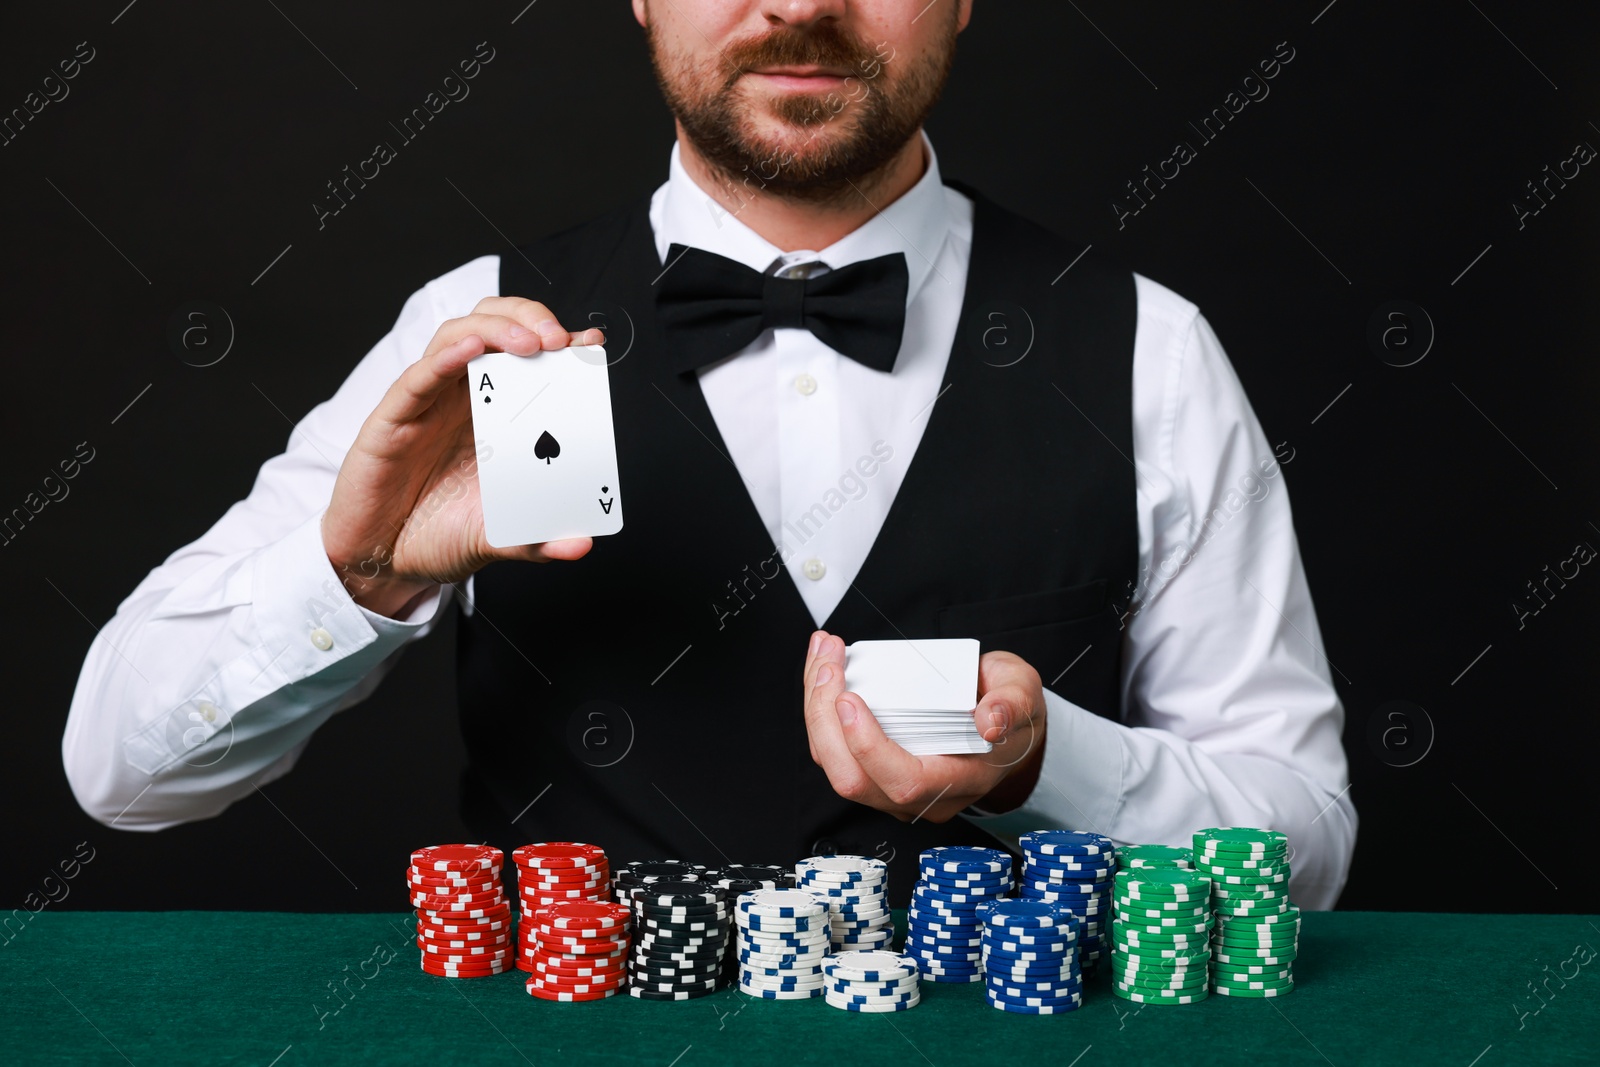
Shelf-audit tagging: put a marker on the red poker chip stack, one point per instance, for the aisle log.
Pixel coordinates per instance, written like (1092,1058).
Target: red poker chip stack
(579,950)
(463,917)
(561,872)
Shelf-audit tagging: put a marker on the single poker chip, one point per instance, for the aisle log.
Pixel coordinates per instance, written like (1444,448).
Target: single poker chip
(644,871)
(458,858)
(640,993)
(749,872)
(781,994)
(552,980)
(1159,998)
(870,966)
(708,985)
(436,882)
(1275,991)
(780,904)
(1164,880)
(668,894)
(842,868)
(559,855)
(439,933)
(563,875)
(1022,916)
(540,967)
(498,912)
(561,997)
(1154,856)
(451,970)
(1239,839)
(960,860)
(1065,843)
(421,897)
(1240,863)
(1221,974)
(1023,1009)
(874,1006)
(607,947)
(1290,916)
(1249,958)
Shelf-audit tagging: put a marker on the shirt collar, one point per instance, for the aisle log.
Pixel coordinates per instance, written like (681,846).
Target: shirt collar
(915,224)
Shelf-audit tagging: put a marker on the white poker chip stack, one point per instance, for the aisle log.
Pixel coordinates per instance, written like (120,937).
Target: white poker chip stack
(872,981)
(855,889)
(783,940)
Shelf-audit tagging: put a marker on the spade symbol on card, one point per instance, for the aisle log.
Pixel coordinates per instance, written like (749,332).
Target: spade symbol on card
(547,447)
(605,505)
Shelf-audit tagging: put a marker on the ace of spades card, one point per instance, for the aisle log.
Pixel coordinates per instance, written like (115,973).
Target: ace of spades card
(547,450)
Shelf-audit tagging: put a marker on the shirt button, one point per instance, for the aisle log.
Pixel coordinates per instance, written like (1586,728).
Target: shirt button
(805,385)
(208,711)
(322,639)
(813,569)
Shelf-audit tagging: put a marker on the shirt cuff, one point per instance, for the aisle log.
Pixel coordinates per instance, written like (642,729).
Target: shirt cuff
(304,623)
(1080,782)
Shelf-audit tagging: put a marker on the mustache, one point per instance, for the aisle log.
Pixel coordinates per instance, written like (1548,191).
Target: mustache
(824,46)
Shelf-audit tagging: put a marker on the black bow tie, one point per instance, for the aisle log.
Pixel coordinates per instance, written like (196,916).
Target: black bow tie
(715,306)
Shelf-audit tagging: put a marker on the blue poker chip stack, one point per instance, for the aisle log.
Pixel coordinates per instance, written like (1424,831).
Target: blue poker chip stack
(871,981)
(943,930)
(1030,957)
(855,889)
(1074,869)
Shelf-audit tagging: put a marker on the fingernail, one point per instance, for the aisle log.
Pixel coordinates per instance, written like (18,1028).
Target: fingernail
(998,717)
(847,713)
(824,675)
(547,326)
(518,331)
(814,639)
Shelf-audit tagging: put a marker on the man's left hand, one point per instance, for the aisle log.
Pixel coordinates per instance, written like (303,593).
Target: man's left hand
(865,766)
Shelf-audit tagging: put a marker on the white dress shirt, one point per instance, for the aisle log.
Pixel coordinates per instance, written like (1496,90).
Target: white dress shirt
(218,668)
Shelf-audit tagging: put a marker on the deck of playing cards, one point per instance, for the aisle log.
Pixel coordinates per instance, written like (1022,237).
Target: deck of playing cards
(547,450)
(921,692)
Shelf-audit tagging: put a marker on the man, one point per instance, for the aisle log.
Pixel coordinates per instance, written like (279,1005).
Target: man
(974,443)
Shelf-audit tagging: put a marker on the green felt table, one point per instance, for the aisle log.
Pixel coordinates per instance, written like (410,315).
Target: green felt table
(257,988)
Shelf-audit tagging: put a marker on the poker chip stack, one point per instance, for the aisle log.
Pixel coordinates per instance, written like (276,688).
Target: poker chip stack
(463,918)
(943,931)
(1154,856)
(871,981)
(680,940)
(1160,951)
(579,952)
(1257,931)
(783,942)
(642,872)
(1074,869)
(738,879)
(855,890)
(552,872)
(1030,956)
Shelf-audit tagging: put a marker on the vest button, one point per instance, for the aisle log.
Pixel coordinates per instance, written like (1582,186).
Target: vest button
(805,385)
(813,569)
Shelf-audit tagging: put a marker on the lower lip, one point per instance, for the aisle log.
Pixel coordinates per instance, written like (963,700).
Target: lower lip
(801,81)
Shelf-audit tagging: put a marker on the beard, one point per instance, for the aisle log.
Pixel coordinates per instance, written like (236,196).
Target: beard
(831,148)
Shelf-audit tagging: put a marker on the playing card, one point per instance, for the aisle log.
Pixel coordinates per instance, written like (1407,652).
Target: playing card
(922,692)
(548,452)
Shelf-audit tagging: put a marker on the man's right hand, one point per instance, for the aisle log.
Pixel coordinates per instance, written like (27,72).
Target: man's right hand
(406,515)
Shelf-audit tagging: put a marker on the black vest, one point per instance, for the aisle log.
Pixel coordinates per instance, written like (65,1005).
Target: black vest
(649,694)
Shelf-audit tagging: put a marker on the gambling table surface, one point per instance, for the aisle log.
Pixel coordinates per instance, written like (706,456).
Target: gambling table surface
(86,988)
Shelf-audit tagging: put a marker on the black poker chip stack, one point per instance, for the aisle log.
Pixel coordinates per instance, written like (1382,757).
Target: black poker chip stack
(740,878)
(680,940)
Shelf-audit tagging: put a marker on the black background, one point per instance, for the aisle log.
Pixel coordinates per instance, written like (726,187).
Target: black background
(1383,164)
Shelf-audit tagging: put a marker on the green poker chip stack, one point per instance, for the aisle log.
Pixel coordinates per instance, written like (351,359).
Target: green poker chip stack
(1160,933)
(1256,931)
